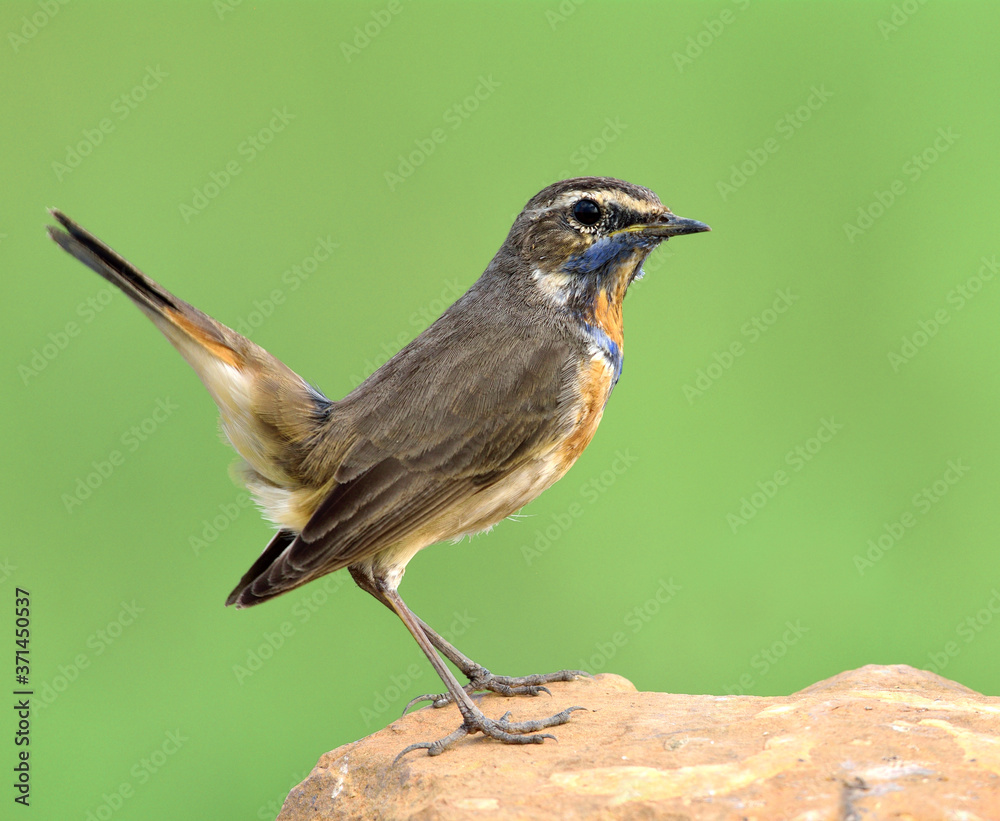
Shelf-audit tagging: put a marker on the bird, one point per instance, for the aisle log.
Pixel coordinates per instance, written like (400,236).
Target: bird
(478,415)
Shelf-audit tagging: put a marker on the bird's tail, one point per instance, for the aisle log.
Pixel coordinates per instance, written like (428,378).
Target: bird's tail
(269,413)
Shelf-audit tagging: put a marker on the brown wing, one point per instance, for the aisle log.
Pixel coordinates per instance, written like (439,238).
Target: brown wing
(428,434)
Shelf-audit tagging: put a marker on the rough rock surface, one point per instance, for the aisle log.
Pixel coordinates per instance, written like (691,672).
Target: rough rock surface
(876,743)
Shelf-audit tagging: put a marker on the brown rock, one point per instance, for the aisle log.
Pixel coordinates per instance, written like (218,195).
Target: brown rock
(876,743)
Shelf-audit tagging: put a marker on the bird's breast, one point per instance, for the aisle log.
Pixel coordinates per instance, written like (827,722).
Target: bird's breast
(596,379)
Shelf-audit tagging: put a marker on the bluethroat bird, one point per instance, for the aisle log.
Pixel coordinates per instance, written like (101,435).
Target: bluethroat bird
(463,427)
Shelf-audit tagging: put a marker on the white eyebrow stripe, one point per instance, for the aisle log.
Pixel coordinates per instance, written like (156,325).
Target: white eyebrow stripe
(603,196)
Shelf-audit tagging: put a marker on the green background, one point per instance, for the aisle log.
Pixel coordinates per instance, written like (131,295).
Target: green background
(822,107)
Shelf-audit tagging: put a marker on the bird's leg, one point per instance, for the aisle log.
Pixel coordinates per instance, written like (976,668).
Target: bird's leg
(479,677)
(473,719)
(482,679)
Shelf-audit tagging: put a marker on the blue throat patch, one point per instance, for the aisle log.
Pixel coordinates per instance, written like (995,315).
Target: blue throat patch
(595,267)
(602,258)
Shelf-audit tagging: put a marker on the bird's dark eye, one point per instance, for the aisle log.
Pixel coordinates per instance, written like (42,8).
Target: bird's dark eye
(587,212)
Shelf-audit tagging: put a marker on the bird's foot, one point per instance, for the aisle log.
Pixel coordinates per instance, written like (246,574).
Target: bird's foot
(482,679)
(520,732)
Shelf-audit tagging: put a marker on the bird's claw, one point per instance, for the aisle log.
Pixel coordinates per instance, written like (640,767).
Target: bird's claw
(502,729)
(483,679)
(436,700)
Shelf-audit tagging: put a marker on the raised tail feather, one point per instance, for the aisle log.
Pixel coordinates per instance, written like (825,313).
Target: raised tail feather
(269,413)
(179,321)
(97,256)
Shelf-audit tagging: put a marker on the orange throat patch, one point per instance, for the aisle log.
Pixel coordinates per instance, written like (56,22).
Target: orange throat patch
(608,317)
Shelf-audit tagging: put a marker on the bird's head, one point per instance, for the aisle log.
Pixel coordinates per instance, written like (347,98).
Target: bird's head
(585,239)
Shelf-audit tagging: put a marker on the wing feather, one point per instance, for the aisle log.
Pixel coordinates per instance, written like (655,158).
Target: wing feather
(410,463)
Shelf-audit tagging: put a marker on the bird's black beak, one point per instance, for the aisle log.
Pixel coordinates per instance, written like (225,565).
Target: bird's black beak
(670,225)
(664,226)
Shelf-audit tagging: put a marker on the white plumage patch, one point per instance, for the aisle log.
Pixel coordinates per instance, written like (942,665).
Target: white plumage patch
(554,285)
